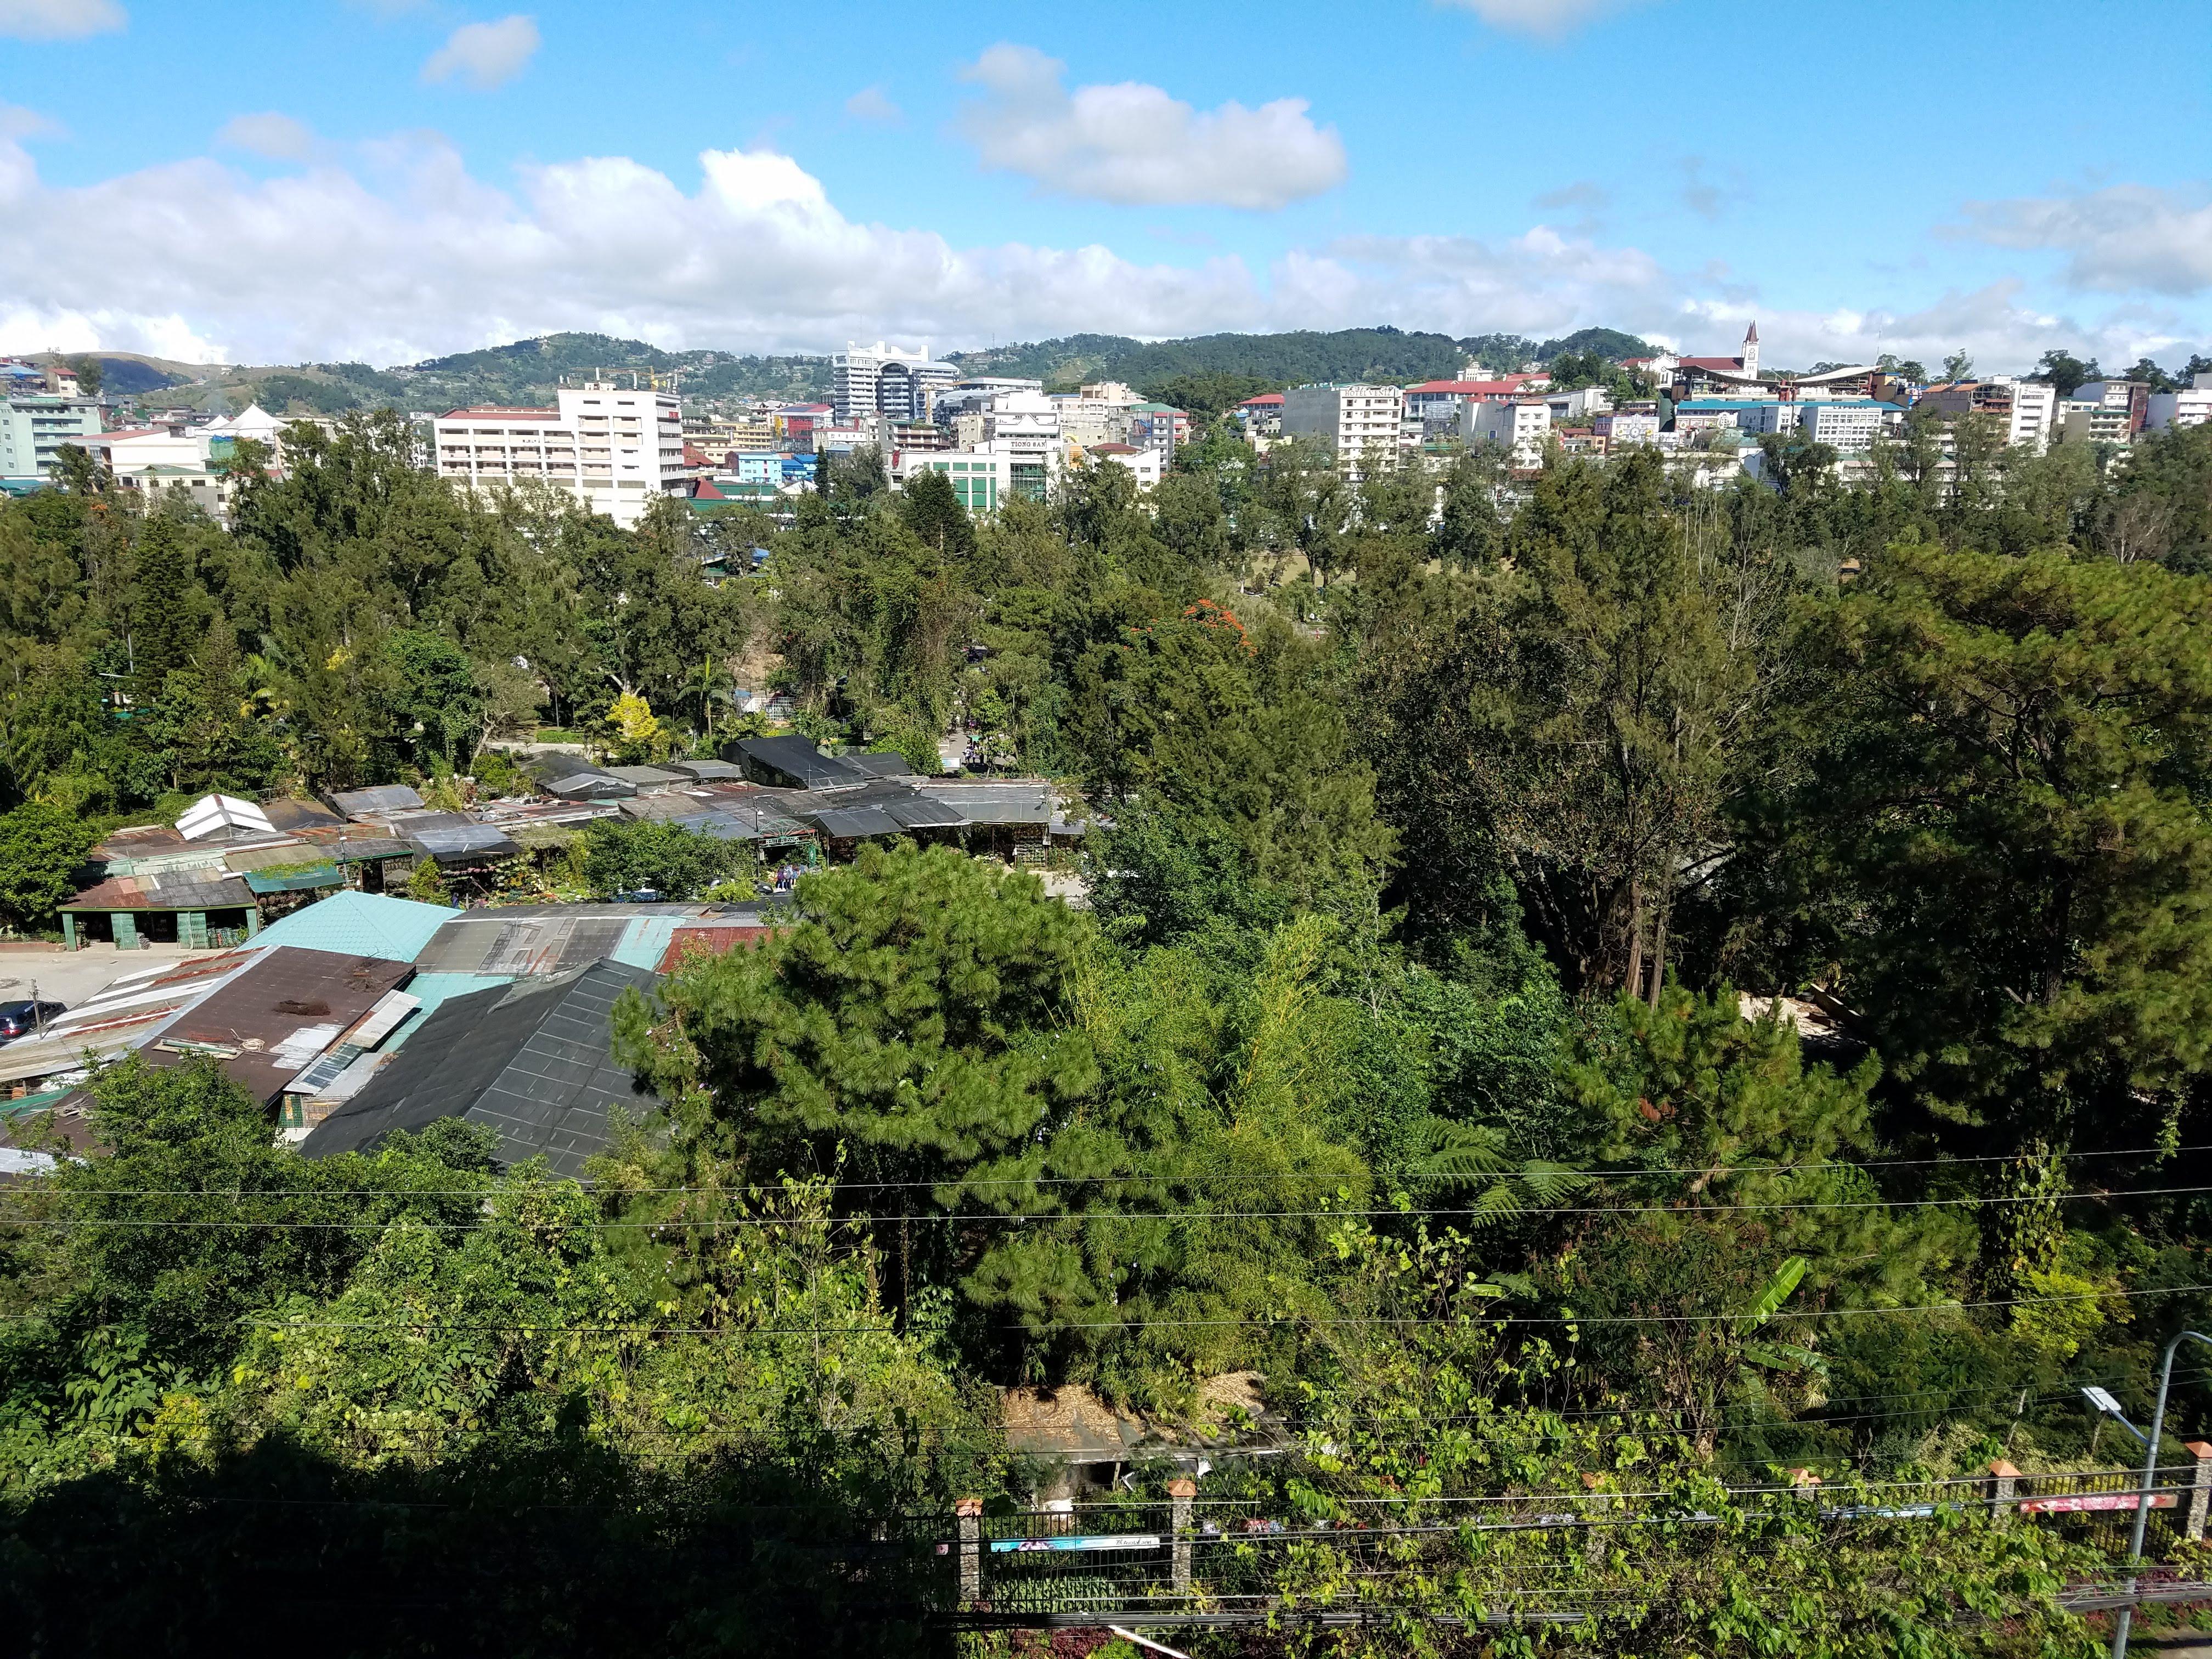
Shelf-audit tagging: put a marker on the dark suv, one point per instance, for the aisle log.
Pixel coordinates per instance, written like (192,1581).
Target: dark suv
(23,1018)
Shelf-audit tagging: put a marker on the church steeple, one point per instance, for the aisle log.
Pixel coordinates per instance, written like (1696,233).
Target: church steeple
(1751,349)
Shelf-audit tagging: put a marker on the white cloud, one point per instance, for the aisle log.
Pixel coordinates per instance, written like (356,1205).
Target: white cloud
(2128,237)
(872,103)
(1130,142)
(279,137)
(485,55)
(58,19)
(1546,19)
(401,254)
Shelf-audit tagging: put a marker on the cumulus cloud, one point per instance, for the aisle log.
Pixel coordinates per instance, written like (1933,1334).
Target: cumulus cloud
(277,136)
(2128,237)
(58,19)
(485,55)
(872,103)
(402,253)
(1130,142)
(1545,19)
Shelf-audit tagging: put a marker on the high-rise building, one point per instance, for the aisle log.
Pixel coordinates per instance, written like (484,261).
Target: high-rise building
(1359,424)
(614,449)
(32,426)
(881,380)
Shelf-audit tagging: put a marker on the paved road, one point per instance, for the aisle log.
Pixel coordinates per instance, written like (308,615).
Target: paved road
(70,976)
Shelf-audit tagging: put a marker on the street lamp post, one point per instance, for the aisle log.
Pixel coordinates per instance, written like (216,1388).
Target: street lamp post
(2149,1480)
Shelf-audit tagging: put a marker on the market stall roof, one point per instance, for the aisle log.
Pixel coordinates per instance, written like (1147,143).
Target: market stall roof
(853,822)
(293,816)
(181,890)
(882,766)
(359,924)
(278,1017)
(375,803)
(707,771)
(451,836)
(645,777)
(994,802)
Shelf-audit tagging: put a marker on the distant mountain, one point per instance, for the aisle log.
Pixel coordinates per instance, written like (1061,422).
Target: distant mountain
(526,372)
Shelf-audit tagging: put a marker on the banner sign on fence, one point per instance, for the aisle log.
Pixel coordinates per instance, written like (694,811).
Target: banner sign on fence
(2095,1500)
(1118,1541)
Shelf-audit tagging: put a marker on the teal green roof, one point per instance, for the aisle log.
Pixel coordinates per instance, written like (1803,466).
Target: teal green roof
(645,941)
(359,924)
(296,881)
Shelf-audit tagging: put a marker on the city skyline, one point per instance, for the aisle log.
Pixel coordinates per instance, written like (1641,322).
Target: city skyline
(1859,179)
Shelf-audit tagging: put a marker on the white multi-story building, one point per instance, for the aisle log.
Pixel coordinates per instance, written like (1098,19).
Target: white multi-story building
(2029,408)
(32,428)
(1848,426)
(881,380)
(984,476)
(1096,413)
(2191,406)
(1518,426)
(1362,425)
(1146,466)
(616,449)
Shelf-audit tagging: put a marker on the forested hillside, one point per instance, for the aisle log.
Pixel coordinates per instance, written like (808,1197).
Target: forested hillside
(1400,1070)
(527,371)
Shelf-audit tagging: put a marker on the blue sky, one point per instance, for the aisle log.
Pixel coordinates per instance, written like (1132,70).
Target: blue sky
(389,179)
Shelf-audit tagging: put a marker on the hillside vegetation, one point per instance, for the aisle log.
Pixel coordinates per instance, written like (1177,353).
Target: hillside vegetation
(1204,373)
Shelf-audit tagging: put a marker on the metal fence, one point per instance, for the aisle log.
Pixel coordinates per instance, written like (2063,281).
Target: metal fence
(1183,1560)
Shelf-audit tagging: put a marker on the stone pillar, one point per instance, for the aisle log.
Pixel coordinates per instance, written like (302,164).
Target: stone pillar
(970,1510)
(2201,1490)
(1181,1492)
(2004,1482)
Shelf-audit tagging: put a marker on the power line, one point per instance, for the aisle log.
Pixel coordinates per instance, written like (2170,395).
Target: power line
(1058,1217)
(491,1188)
(1471,1317)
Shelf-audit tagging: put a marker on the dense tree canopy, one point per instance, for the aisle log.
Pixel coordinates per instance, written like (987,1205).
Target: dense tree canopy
(1592,992)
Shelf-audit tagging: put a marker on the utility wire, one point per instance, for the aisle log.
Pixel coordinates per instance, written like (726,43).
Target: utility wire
(965,1218)
(1185,1174)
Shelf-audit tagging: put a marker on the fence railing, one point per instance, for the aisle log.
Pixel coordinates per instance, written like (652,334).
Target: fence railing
(1186,1559)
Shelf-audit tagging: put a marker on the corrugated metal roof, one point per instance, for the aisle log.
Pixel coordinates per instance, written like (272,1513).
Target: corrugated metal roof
(299,880)
(274,1018)
(373,803)
(359,924)
(461,839)
(714,941)
(707,769)
(183,889)
(645,941)
(855,823)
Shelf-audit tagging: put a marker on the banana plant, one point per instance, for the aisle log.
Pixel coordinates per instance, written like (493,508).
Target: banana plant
(1777,1357)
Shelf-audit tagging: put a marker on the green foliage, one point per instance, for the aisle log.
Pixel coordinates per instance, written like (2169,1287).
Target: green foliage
(624,855)
(41,847)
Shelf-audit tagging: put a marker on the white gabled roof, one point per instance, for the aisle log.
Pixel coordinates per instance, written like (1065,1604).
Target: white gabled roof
(212,812)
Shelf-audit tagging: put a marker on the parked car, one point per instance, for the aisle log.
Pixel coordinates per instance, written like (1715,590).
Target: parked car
(23,1018)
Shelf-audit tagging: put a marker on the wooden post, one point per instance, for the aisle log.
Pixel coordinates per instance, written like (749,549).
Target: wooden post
(970,1510)
(2004,1481)
(1181,1490)
(2199,1492)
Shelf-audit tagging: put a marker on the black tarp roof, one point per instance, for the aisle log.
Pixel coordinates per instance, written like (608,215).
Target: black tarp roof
(532,1061)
